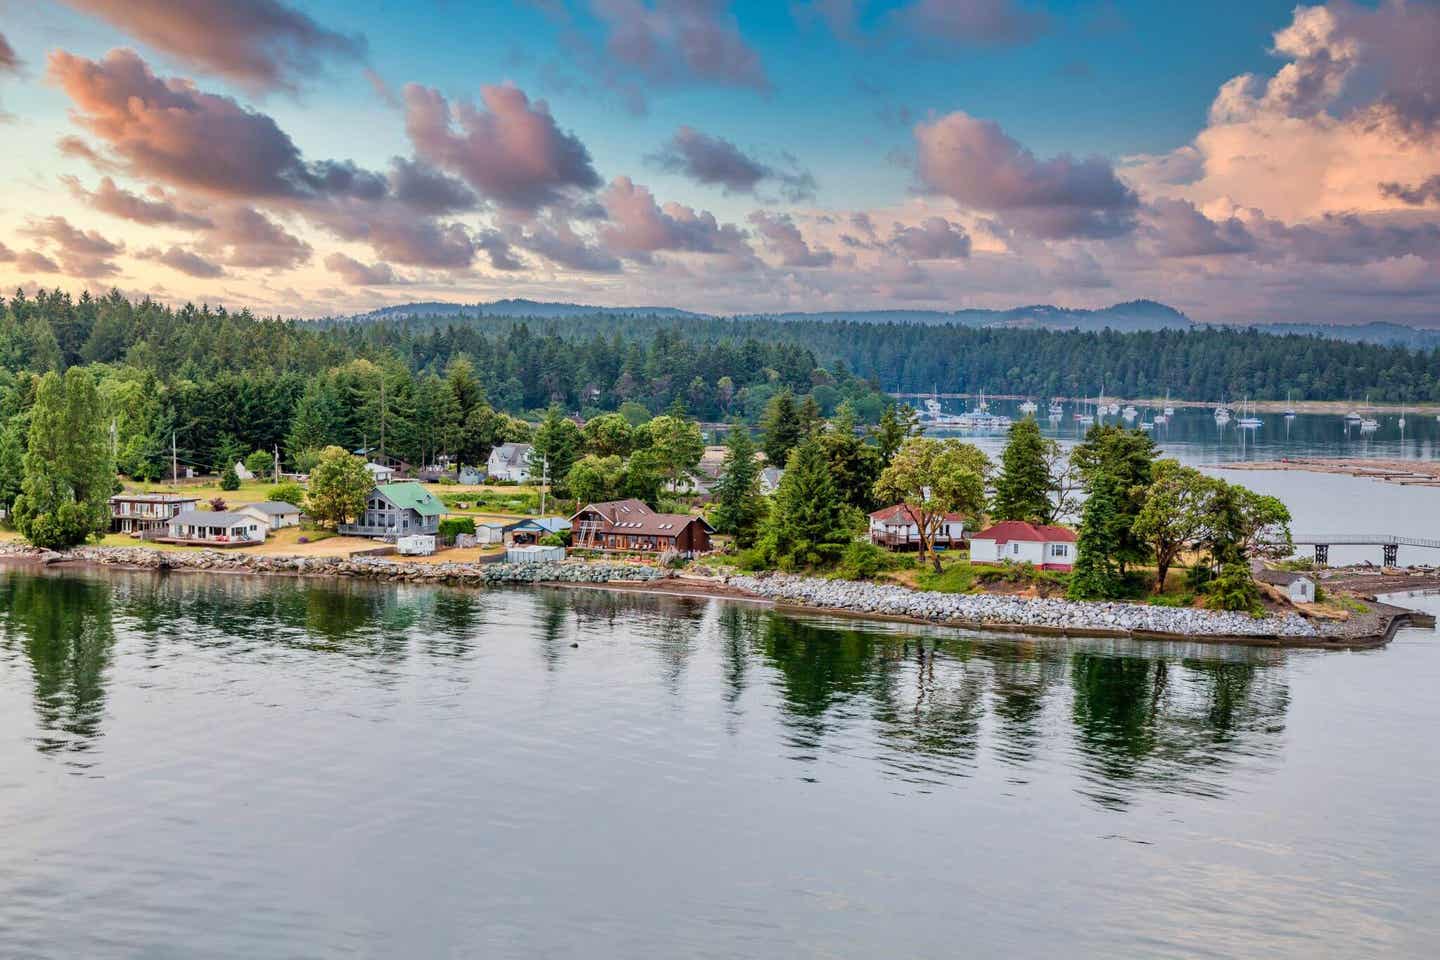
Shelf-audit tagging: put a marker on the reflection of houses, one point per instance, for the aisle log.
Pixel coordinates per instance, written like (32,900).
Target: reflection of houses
(1014,541)
(217,528)
(276,514)
(510,461)
(632,526)
(898,528)
(397,510)
(142,513)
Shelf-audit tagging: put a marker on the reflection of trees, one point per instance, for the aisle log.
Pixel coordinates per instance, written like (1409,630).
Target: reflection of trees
(63,625)
(454,619)
(1024,676)
(1173,726)
(820,670)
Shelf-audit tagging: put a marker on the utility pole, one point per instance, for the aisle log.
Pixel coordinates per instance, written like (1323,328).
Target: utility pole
(114,442)
(277,463)
(174,462)
(382,416)
(544,481)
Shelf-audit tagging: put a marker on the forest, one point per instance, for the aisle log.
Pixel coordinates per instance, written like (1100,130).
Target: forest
(221,383)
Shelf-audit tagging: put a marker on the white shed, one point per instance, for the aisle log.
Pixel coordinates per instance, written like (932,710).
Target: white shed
(1301,590)
(535,554)
(419,545)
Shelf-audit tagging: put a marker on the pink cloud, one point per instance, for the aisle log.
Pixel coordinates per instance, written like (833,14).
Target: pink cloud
(784,239)
(359,274)
(118,202)
(185,261)
(639,227)
(260,43)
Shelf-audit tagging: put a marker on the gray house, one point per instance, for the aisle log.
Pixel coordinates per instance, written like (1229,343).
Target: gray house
(397,510)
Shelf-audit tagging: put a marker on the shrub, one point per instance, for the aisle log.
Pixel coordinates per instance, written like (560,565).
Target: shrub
(452,527)
(260,463)
(287,493)
(861,561)
(552,540)
(230,480)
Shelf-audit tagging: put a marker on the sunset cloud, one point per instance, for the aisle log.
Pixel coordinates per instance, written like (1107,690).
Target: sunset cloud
(260,43)
(187,262)
(639,227)
(714,161)
(359,274)
(784,239)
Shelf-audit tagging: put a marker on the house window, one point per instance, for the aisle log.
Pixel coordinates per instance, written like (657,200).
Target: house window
(1062,550)
(1015,549)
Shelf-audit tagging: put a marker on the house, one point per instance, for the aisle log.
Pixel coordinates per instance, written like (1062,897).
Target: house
(510,461)
(142,513)
(276,514)
(535,529)
(770,478)
(242,471)
(381,473)
(898,528)
(217,528)
(1014,541)
(470,476)
(1297,587)
(631,525)
(397,510)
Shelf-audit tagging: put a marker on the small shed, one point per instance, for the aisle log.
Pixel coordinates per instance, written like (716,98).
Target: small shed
(1298,587)
(419,545)
(534,554)
(380,472)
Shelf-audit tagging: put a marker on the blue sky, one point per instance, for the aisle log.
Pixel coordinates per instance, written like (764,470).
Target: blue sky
(879,103)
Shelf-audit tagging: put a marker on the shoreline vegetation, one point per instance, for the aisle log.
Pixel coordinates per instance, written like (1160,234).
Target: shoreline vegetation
(1008,614)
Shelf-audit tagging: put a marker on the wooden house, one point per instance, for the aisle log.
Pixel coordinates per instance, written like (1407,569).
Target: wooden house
(630,525)
(898,528)
(217,528)
(140,514)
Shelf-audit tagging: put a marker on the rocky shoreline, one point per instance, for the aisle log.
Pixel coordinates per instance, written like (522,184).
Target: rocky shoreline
(849,597)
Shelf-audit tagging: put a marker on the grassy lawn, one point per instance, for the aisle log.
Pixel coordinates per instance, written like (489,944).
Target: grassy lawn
(251,491)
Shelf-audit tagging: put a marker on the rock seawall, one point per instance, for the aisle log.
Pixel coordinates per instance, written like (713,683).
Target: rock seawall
(988,610)
(374,568)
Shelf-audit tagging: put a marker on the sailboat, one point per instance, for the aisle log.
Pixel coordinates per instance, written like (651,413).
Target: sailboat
(1130,413)
(1029,407)
(1222,413)
(1083,418)
(1057,409)
(1248,420)
(1289,406)
(1402,417)
(1169,410)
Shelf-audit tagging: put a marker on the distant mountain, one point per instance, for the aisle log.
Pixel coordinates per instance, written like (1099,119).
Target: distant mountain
(1384,334)
(516,308)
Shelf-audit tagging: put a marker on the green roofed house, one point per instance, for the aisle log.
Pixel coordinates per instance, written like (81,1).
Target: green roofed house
(395,510)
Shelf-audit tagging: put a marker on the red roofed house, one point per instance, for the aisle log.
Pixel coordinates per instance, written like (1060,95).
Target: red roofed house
(631,525)
(1049,548)
(898,528)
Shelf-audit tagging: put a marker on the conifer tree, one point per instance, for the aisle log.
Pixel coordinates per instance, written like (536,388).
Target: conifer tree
(739,507)
(809,525)
(780,428)
(1022,490)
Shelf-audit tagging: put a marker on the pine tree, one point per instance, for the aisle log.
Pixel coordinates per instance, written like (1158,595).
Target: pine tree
(780,428)
(1022,491)
(809,525)
(739,507)
(1096,574)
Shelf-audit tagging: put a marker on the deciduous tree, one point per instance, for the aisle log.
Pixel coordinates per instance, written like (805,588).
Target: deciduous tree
(933,478)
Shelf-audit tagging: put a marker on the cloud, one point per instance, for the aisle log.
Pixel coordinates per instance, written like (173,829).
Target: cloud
(977,165)
(934,239)
(244,237)
(498,250)
(784,239)
(83,253)
(1419,194)
(555,239)
(262,44)
(509,150)
(6,254)
(187,262)
(33,261)
(970,23)
(9,62)
(118,202)
(718,162)
(421,187)
(359,274)
(1178,229)
(639,227)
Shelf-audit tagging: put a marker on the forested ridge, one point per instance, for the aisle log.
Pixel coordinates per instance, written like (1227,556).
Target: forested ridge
(223,382)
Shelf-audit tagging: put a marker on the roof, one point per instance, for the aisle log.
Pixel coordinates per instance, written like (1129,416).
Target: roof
(548,524)
(512,454)
(379,468)
(634,517)
(409,495)
(902,513)
(154,498)
(273,508)
(1280,578)
(212,518)
(1008,530)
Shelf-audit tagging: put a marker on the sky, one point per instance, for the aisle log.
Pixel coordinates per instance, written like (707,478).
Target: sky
(1242,161)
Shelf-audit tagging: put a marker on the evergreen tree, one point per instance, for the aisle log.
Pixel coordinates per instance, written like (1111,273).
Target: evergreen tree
(897,424)
(780,428)
(12,462)
(557,443)
(854,464)
(738,504)
(69,473)
(1096,575)
(809,525)
(1022,490)
(1123,461)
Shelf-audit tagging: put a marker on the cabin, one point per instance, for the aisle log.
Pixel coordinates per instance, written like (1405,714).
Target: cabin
(510,461)
(630,525)
(1015,541)
(276,514)
(1297,587)
(381,473)
(898,528)
(217,528)
(397,510)
(139,514)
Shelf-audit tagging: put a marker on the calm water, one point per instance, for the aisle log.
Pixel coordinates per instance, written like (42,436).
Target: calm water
(225,767)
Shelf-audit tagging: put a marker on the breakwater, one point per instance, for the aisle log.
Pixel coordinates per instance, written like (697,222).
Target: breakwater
(1044,615)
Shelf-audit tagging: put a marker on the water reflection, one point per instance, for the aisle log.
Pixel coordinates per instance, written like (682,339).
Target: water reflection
(924,707)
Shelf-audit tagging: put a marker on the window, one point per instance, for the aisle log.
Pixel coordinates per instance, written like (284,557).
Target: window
(1015,547)
(1060,550)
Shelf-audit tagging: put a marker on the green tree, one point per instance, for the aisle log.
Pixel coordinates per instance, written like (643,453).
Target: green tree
(558,443)
(290,492)
(609,434)
(1174,515)
(260,464)
(229,479)
(738,504)
(933,478)
(1023,488)
(12,462)
(1122,461)
(1096,575)
(780,427)
(854,464)
(339,487)
(678,445)
(898,423)
(595,479)
(809,525)
(69,473)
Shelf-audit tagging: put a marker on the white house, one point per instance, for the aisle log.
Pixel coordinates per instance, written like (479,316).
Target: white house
(510,461)
(898,528)
(1014,541)
(217,527)
(380,473)
(1297,586)
(275,513)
